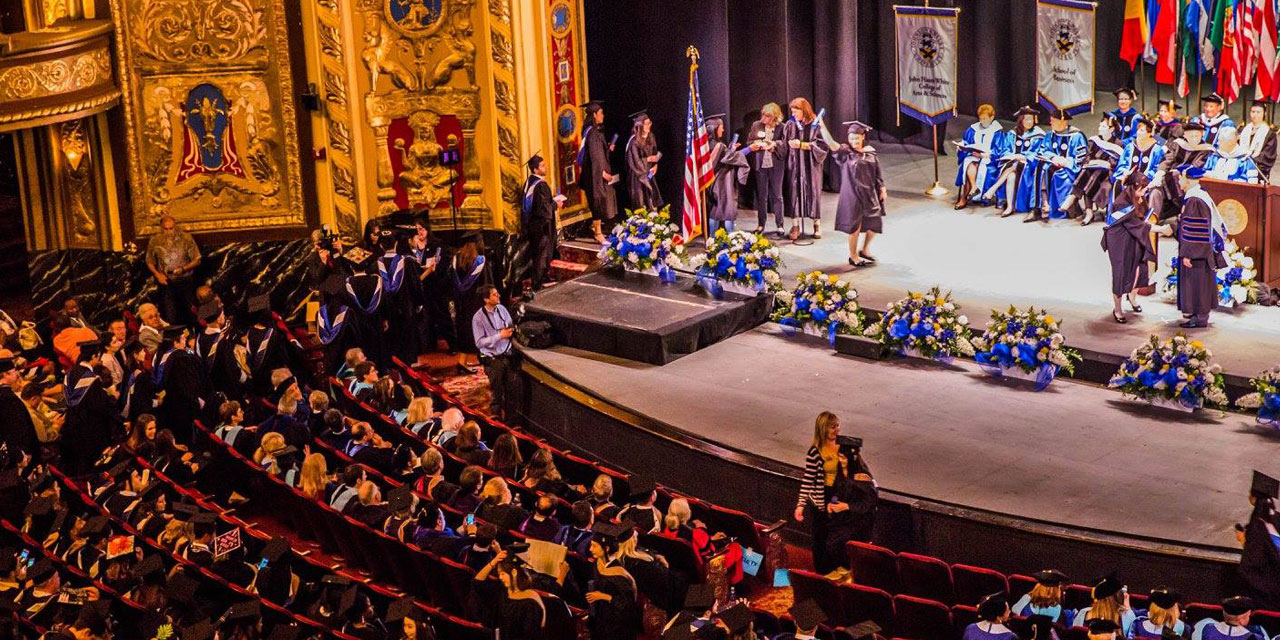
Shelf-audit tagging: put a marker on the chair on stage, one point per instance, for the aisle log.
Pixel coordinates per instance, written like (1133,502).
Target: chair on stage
(972,583)
(873,565)
(921,619)
(925,577)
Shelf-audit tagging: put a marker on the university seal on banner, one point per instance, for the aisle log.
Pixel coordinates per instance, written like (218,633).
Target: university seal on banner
(1068,35)
(414,18)
(926,47)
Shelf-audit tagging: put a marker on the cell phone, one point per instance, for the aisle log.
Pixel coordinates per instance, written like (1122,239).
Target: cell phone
(262,564)
(25,554)
(469,520)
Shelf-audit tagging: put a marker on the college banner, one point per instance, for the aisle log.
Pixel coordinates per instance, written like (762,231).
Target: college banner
(926,45)
(1064,54)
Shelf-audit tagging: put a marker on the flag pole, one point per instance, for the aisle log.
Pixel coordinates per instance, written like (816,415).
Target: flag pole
(693,55)
(937,190)
(1142,82)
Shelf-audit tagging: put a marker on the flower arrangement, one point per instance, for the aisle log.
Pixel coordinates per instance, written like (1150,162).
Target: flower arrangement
(1174,372)
(926,325)
(820,304)
(646,241)
(1024,341)
(1236,281)
(741,261)
(1265,397)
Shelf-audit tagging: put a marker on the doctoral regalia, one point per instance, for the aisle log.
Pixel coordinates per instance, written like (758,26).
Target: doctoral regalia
(538,214)
(1260,559)
(1093,186)
(1235,165)
(1126,123)
(1261,142)
(803,184)
(435,294)
(859,206)
(1213,125)
(364,318)
(217,351)
(593,162)
(467,279)
(182,377)
(1052,183)
(1177,153)
(92,423)
(1167,132)
(1018,154)
(1200,242)
(268,351)
(641,188)
(398,297)
(17,431)
(988,139)
(731,170)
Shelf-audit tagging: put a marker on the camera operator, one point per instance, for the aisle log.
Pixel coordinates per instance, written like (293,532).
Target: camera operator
(326,248)
(837,493)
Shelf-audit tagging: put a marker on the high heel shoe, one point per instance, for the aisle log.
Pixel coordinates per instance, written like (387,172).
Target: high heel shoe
(1119,317)
(1137,308)
(866,256)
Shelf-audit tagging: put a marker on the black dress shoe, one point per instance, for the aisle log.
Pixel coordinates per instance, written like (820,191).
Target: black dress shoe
(853,263)
(1119,318)
(1190,324)
(864,256)
(1032,218)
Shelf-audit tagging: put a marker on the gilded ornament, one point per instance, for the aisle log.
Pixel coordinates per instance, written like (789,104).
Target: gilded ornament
(335,88)
(504,98)
(380,57)
(414,18)
(206,32)
(462,51)
(500,10)
(426,180)
(502,50)
(53,77)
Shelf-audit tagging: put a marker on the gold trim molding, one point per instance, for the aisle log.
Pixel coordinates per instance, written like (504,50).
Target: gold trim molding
(56,75)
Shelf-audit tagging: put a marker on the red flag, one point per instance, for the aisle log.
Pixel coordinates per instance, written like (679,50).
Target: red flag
(1268,82)
(1134,38)
(1164,34)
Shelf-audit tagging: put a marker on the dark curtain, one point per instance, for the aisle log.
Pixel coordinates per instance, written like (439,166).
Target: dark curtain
(837,53)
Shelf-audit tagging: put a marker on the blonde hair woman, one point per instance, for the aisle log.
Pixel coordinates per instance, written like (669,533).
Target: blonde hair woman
(315,476)
(271,444)
(1045,598)
(821,464)
(1163,613)
(419,415)
(1110,602)
(768,162)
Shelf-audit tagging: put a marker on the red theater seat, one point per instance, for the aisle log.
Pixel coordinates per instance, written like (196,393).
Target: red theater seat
(1020,585)
(925,577)
(963,615)
(972,583)
(808,585)
(921,619)
(868,603)
(1077,597)
(1197,611)
(873,566)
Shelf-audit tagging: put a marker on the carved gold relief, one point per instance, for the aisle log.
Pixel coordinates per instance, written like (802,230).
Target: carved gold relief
(77,183)
(334,74)
(505,112)
(213,131)
(53,77)
(426,180)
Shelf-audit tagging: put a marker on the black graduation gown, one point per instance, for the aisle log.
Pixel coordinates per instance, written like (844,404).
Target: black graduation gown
(803,184)
(1127,242)
(1260,561)
(641,188)
(92,424)
(434,292)
(466,300)
(619,617)
(518,619)
(217,353)
(186,393)
(859,206)
(364,316)
(856,523)
(17,432)
(1092,187)
(268,351)
(539,217)
(1266,157)
(137,394)
(595,161)
(397,308)
(730,172)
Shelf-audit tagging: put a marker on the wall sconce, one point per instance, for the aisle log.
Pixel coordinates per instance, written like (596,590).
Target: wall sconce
(73,143)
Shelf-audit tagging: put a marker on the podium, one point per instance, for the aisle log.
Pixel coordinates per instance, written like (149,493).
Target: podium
(1252,215)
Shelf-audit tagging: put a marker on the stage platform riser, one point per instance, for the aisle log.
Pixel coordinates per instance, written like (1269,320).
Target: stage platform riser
(573,418)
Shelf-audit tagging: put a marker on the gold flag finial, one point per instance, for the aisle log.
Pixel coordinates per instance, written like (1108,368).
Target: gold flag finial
(692,54)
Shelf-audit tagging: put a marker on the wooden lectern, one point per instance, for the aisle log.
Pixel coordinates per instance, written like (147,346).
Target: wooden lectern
(1252,214)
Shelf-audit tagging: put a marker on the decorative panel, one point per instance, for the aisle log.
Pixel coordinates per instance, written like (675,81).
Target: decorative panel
(209,103)
(57,75)
(568,90)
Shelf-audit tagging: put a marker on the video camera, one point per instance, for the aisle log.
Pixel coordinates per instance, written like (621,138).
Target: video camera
(328,238)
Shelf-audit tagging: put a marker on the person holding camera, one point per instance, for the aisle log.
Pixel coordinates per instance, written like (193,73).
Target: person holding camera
(839,505)
(494,329)
(326,248)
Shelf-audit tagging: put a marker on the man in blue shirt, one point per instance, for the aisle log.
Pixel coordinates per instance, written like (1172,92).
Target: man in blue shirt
(492,328)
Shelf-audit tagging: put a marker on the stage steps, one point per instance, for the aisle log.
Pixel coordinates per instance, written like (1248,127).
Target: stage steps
(577,257)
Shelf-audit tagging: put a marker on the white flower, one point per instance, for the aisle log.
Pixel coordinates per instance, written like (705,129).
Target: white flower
(772,277)
(1215,395)
(635,257)
(1059,358)
(874,330)
(672,260)
(785,298)
(964,320)
(1250,401)
(948,307)
(1215,369)
(1246,262)
(964,347)
(1239,293)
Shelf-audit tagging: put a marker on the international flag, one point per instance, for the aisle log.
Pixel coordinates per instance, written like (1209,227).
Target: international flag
(1268,82)
(1239,47)
(698,172)
(1163,20)
(1134,39)
(1217,33)
(1197,24)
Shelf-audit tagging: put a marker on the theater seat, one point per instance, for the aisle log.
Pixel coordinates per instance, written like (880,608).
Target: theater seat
(1268,620)
(921,619)
(925,577)
(1020,585)
(868,603)
(972,583)
(1077,597)
(963,615)
(873,566)
(1074,633)
(1197,611)
(808,585)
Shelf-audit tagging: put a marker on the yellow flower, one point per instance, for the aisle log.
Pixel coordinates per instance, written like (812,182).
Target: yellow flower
(832,279)
(916,296)
(1048,318)
(1196,344)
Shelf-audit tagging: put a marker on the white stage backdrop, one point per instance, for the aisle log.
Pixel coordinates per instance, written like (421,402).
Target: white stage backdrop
(1064,54)
(927,52)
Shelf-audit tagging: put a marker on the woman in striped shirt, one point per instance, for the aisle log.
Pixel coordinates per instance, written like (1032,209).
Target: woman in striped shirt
(821,466)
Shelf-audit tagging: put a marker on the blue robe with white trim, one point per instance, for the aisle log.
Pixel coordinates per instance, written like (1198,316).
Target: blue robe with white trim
(988,138)
(1127,127)
(1236,166)
(1026,145)
(1213,125)
(1052,184)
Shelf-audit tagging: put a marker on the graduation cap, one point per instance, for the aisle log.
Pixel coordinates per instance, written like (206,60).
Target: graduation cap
(275,549)
(737,618)
(1193,126)
(992,606)
(1191,172)
(242,611)
(607,529)
(679,630)
(7,365)
(857,126)
(173,332)
(1164,597)
(1061,114)
(1050,577)
(1124,91)
(1213,97)
(533,162)
(699,597)
(40,571)
(334,284)
(1264,486)
(209,311)
(641,488)
(1262,102)
(152,491)
(335,580)
(715,116)
(181,588)
(347,601)
(1106,587)
(202,630)
(40,506)
(184,511)
(867,629)
(89,349)
(592,106)
(807,614)
(1099,626)
(1169,104)
(1237,605)
(94,526)
(400,498)
(149,568)
(639,116)
(259,307)
(119,546)
(1027,111)
(400,609)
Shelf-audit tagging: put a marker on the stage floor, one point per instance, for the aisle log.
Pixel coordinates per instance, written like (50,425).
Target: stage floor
(1074,454)
(991,262)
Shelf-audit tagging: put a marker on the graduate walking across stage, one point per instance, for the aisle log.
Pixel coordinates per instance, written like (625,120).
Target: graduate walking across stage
(730,172)
(1127,237)
(538,215)
(642,164)
(860,210)
(595,176)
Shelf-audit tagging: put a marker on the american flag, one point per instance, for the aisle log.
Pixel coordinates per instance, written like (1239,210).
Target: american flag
(1268,60)
(697,161)
(1239,47)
